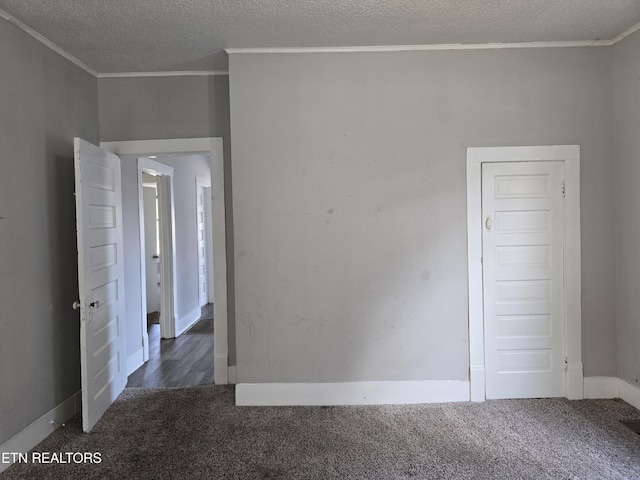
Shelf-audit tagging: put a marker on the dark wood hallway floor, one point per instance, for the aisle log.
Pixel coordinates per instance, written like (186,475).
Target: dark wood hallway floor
(185,361)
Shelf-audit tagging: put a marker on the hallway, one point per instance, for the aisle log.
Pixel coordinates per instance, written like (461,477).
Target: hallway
(185,361)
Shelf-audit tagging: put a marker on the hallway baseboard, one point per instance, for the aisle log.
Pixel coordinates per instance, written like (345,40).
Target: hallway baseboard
(185,322)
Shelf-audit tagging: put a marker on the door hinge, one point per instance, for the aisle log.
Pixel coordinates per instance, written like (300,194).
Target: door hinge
(481,262)
(566,364)
(564,189)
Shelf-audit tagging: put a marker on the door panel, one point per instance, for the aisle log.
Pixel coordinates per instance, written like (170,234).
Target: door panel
(523,279)
(151,250)
(100,278)
(203,289)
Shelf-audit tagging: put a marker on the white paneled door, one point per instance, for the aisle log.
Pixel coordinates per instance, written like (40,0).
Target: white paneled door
(522,243)
(203,289)
(100,278)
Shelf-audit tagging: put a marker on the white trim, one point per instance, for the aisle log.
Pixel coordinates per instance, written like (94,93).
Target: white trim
(184,323)
(629,393)
(168,255)
(476,382)
(209,245)
(601,387)
(162,146)
(214,147)
(33,434)
(474,265)
(168,294)
(205,183)
(612,387)
(421,48)
(219,240)
(570,155)
(233,375)
(572,271)
(148,164)
(625,34)
(351,393)
(220,360)
(47,43)
(348,49)
(202,73)
(136,360)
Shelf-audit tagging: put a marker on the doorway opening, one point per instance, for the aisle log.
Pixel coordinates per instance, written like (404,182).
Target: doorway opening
(175,315)
(174,270)
(571,356)
(151,221)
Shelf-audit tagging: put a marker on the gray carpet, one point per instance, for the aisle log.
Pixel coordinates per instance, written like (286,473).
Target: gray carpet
(198,433)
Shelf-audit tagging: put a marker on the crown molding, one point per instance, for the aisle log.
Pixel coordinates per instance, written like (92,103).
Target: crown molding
(625,34)
(351,49)
(420,48)
(48,43)
(164,74)
(60,51)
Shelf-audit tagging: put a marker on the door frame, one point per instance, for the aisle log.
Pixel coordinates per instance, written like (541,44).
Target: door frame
(570,156)
(205,183)
(166,214)
(214,147)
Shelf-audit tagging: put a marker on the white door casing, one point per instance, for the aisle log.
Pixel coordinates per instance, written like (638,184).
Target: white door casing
(569,157)
(213,146)
(166,238)
(209,235)
(202,227)
(151,247)
(522,241)
(100,279)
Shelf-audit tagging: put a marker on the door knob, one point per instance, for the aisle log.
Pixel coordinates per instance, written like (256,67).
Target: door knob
(76,305)
(488,223)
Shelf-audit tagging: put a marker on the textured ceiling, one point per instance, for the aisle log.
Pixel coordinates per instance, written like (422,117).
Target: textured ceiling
(184,35)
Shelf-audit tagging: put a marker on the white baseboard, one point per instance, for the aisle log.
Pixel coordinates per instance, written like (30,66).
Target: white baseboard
(135,361)
(36,432)
(351,393)
(185,322)
(601,387)
(612,387)
(630,393)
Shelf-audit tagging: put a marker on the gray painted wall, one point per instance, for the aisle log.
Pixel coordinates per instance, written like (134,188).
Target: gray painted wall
(349,196)
(186,169)
(626,87)
(173,107)
(46,101)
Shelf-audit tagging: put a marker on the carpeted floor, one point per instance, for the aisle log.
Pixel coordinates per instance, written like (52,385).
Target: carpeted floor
(198,433)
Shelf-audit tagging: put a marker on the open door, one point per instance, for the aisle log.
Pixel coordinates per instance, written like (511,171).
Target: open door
(100,279)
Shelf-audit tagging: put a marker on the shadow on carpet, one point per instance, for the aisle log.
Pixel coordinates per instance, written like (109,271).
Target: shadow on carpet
(199,433)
